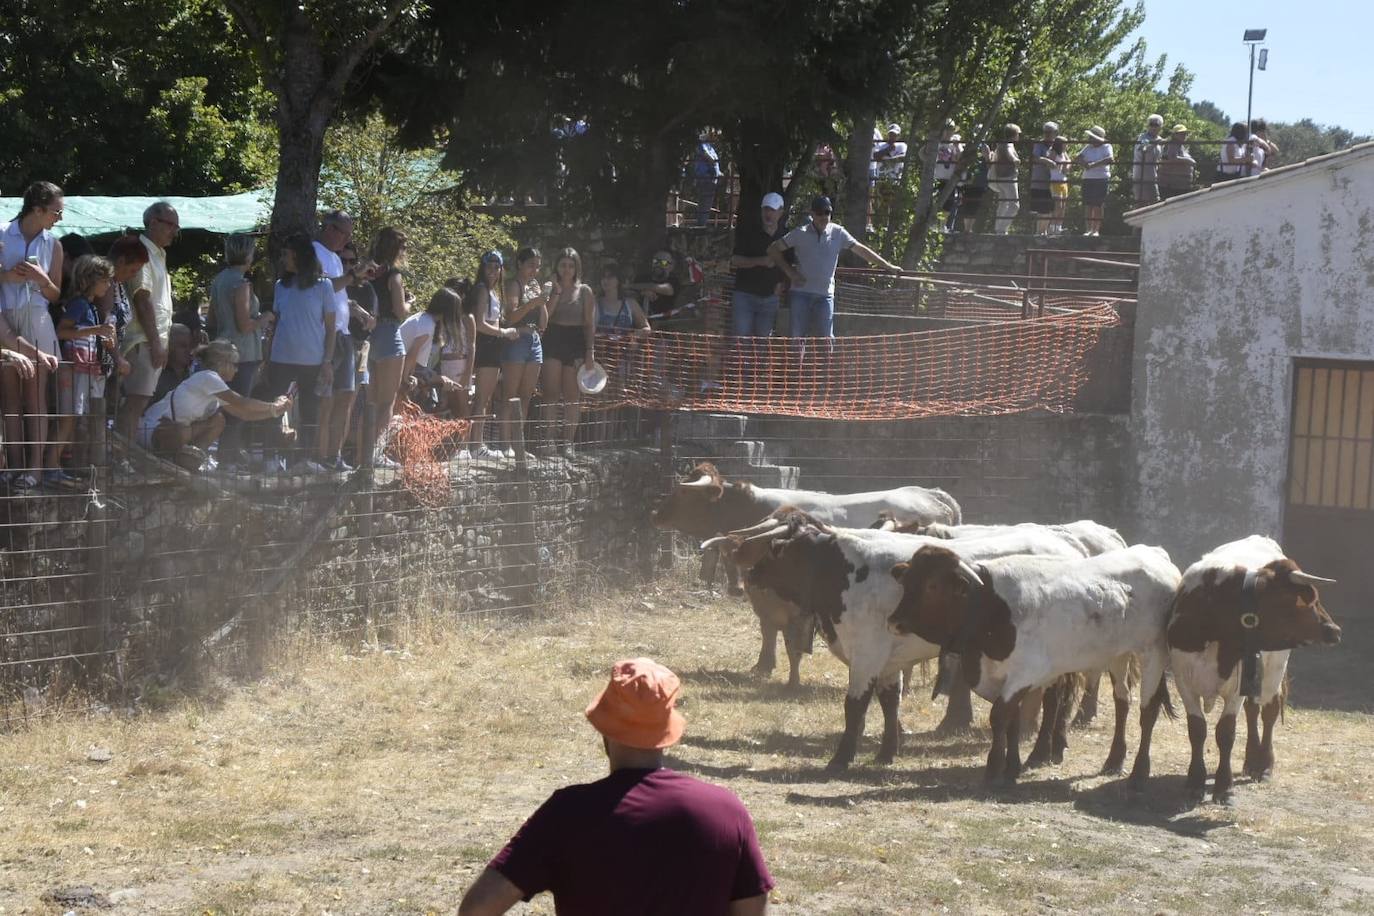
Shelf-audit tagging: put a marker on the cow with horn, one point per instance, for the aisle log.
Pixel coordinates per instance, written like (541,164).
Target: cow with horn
(705,504)
(1240,611)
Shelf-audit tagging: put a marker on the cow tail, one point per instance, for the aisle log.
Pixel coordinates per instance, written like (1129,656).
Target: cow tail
(1162,698)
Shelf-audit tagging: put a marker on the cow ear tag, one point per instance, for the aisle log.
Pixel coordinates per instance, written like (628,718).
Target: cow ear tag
(1249,620)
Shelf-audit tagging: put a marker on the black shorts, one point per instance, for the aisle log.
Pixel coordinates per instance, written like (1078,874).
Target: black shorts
(564,342)
(1094,192)
(1041,201)
(489,352)
(971,200)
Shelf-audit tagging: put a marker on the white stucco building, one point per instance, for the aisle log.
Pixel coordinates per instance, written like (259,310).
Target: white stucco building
(1253,378)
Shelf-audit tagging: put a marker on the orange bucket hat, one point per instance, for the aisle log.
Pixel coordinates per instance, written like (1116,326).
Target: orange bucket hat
(636,708)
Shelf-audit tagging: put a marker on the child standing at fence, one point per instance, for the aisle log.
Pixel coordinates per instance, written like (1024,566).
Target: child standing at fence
(82,333)
(1059,182)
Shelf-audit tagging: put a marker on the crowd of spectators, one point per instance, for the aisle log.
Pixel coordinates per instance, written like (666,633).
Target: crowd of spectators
(255,387)
(1161,166)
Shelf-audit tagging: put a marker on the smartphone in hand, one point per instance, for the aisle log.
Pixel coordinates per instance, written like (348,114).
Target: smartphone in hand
(292,390)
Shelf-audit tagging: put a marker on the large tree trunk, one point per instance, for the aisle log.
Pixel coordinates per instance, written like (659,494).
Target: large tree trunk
(856,184)
(660,174)
(761,159)
(298,174)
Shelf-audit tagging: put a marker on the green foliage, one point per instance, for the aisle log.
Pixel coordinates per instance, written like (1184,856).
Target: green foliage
(130,97)
(1306,138)
(367,173)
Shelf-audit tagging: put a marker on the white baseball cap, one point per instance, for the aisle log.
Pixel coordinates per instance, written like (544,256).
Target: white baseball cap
(894,128)
(772,200)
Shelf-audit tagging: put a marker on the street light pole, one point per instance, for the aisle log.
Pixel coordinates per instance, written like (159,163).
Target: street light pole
(1252,37)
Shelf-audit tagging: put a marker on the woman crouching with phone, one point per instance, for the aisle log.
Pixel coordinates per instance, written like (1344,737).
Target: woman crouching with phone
(190,418)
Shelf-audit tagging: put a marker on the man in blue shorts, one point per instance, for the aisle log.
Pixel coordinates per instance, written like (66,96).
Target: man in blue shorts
(645,839)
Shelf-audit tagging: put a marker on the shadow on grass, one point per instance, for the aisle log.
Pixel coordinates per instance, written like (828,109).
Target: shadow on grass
(1163,804)
(821,747)
(750,686)
(939,784)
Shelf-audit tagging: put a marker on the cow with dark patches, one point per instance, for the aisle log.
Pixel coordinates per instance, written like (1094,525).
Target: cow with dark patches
(1090,539)
(1240,611)
(705,505)
(837,576)
(1023,622)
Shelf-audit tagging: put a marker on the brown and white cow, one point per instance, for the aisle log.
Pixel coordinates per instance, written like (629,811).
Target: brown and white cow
(1239,612)
(706,505)
(837,577)
(1022,622)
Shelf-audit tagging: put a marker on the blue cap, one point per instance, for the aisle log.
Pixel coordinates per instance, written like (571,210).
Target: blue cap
(821,205)
(493,256)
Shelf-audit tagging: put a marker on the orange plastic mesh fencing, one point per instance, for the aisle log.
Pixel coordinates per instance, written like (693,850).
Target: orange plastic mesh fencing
(996,367)
(423,445)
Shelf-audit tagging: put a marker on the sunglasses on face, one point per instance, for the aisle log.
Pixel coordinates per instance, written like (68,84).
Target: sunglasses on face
(57,212)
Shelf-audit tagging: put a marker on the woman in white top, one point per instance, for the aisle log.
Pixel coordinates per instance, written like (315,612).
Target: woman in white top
(192,413)
(487,311)
(1096,161)
(526,311)
(30,278)
(1002,179)
(455,353)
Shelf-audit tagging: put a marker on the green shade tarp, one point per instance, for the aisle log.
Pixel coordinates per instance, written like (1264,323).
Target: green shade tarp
(96,215)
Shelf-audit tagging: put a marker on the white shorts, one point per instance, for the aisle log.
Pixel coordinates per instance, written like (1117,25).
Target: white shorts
(142,378)
(76,389)
(454,369)
(34,324)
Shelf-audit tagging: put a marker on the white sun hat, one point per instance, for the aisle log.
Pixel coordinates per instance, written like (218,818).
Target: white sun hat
(591,379)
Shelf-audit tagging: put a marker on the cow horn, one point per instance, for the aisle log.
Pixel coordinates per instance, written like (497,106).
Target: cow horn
(768,524)
(716,541)
(1303,578)
(777,529)
(700,482)
(969,574)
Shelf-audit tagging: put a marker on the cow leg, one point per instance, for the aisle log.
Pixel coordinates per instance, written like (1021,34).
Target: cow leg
(710,558)
(1197,763)
(1049,715)
(1152,673)
(908,677)
(997,754)
(1226,738)
(890,700)
(1270,714)
(855,711)
(1012,770)
(1087,710)
(1059,741)
(794,641)
(768,652)
(1252,737)
(959,711)
(1121,693)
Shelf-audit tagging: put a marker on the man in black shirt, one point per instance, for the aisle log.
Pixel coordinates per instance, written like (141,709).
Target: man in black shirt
(758,283)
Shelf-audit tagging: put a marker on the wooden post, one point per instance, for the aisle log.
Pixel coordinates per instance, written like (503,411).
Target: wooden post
(526,551)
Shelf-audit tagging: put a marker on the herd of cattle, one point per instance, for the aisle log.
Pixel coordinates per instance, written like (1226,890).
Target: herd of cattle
(894,578)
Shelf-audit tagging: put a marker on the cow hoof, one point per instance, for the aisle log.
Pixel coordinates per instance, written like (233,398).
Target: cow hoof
(762,670)
(1083,721)
(1036,759)
(1197,795)
(836,767)
(1057,757)
(794,684)
(884,760)
(949,728)
(1224,798)
(1112,768)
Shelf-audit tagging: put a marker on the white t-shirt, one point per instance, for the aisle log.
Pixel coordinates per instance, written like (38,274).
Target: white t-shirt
(1092,154)
(190,402)
(413,328)
(331,267)
(891,167)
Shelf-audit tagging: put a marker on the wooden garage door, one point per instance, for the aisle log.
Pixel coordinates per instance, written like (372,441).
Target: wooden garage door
(1329,522)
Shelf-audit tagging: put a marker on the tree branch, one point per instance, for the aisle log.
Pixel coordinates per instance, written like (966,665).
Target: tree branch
(248,20)
(354,54)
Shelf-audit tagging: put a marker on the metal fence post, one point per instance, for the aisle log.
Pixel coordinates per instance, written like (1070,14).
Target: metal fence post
(523,529)
(96,620)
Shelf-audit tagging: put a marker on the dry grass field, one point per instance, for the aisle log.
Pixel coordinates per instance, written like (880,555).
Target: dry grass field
(380,780)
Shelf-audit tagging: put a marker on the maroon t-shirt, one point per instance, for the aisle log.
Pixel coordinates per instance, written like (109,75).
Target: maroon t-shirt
(638,842)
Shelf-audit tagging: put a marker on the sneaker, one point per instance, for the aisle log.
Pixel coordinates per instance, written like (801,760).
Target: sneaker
(25,481)
(211,464)
(509,452)
(58,479)
(313,467)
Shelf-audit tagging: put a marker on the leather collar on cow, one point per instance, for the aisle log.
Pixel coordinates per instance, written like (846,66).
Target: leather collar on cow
(1251,669)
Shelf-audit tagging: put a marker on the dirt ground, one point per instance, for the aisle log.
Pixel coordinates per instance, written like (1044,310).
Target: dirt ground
(381,780)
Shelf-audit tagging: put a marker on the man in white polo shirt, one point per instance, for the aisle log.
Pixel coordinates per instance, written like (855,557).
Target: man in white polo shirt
(817,246)
(336,406)
(150,295)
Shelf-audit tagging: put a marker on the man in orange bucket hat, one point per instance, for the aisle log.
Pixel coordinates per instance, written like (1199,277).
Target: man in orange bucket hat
(645,839)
